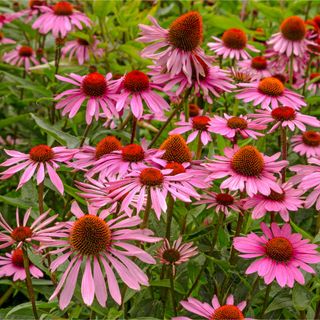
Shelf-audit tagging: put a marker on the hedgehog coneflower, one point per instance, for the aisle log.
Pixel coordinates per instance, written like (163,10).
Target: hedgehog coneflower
(176,149)
(215,311)
(232,45)
(102,245)
(281,254)
(247,170)
(180,45)
(291,40)
(307,144)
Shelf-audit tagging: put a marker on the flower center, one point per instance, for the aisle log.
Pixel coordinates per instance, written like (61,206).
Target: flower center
(237,123)
(177,149)
(171,255)
(41,153)
(279,249)
(136,81)
(185,33)
(234,39)
(63,8)
(271,87)
(151,177)
(82,42)
(132,153)
(248,162)
(194,110)
(21,233)
(311,138)
(275,196)
(227,312)
(25,51)
(94,85)
(314,76)
(17,258)
(107,145)
(283,114)
(200,123)
(34,3)
(293,28)
(224,199)
(90,235)
(176,168)
(259,63)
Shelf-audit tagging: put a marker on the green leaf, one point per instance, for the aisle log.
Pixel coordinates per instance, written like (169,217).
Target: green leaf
(300,297)
(11,120)
(279,303)
(62,137)
(165,283)
(304,233)
(16,202)
(27,305)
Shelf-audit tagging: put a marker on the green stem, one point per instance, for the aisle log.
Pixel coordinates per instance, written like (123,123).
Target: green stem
(174,305)
(236,234)
(40,197)
(174,112)
(169,216)
(306,76)
(199,147)
(144,223)
(134,129)
(6,295)
(291,70)
(85,134)
(29,282)
(216,229)
(265,303)
(251,293)
(283,151)
(24,74)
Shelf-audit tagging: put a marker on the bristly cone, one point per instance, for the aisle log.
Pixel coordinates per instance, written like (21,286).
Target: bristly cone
(177,149)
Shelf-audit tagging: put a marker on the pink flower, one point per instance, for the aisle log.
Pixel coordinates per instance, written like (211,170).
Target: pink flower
(232,45)
(12,265)
(230,127)
(308,177)
(81,49)
(60,19)
(176,49)
(95,241)
(248,170)
(158,183)
(211,84)
(315,85)
(270,91)
(198,125)
(21,55)
(215,310)
(258,67)
(285,117)
(41,160)
(287,200)
(128,158)
(221,202)
(291,38)
(33,10)
(87,156)
(98,90)
(4,40)
(307,144)
(38,231)
(177,253)
(137,89)
(282,254)
(7,18)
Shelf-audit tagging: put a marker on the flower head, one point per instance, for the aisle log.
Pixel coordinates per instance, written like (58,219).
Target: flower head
(136,89)
(37,232)
(270,91)
(41,160)
(307,143)
(222,202)
(101,244)
(60,19)
(215,311)
(97,90)
(258,67)
(176,253)
(248,170)
(280,202)
(176,149)
(282,254)
(177,49)
(233,44)
(11,265)
(284,117)
(21,56)
(231,126)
